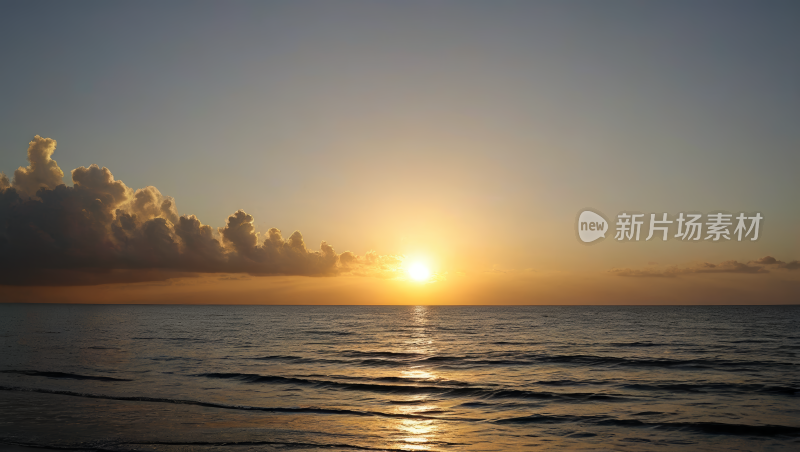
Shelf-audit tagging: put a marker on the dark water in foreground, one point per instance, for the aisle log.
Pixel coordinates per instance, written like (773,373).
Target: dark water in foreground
(180,378)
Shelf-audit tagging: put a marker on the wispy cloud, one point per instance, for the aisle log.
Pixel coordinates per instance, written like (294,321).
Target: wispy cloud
(771,261)
(758,266)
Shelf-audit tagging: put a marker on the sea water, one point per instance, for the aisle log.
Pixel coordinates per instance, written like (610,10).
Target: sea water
(500,378)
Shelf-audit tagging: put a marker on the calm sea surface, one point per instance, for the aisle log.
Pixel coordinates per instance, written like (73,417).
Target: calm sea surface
(203,378)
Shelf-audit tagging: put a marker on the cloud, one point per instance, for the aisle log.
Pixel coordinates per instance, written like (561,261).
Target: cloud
(496,269)
(42,171)
(769,260)
(101,231)
(793,265)
(149,203)
(240,233)
(641,273)
(758,266)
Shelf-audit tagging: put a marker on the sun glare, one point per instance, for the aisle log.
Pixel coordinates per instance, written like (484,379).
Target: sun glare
(419,272)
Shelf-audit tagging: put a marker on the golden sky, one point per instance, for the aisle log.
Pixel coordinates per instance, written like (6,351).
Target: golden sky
(284,153)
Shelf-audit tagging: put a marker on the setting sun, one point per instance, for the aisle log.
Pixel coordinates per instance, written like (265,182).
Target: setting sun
(406,225)
(419,272)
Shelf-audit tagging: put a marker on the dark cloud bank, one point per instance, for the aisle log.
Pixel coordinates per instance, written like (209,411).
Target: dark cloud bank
(101,231)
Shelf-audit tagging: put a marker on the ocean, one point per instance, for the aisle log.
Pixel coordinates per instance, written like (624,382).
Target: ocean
(402,378)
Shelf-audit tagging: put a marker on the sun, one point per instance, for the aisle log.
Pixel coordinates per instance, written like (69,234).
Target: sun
(419,272)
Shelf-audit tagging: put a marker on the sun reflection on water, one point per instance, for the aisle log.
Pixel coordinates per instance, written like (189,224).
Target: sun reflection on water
(418,373)
(418,434)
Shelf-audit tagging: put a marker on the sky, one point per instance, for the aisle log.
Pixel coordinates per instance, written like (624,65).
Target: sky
(465,137)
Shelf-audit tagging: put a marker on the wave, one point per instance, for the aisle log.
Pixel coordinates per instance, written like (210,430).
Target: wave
(717,387)
(650,362)
(570,382)
(307,360)
(382,363)
(636,344)
(113,446)
(288,445)
(406,380)
(63,375)
(593,360)
(714,428)
(360,354)
(513,343)
(279,358)
(399,359)
(224,406)
(449,391)
(330,333)
(412,402)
